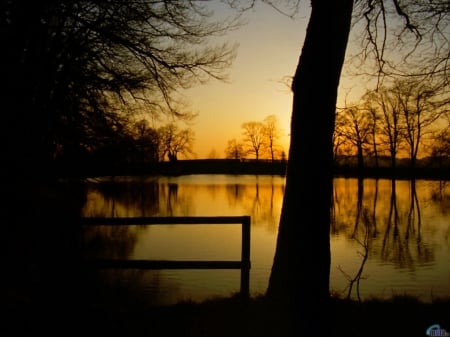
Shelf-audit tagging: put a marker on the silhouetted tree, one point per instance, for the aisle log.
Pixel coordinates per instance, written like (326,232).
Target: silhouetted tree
(174,141)
(391,127)
(272,134)
(75,67)
(254,138)
(234,150)
(354,126)
(369,105)
(300,272)
(420,108)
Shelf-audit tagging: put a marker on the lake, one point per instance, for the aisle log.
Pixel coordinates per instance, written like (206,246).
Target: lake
(387,237)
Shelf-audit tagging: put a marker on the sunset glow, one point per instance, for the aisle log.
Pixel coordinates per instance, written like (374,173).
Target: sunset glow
(269,48)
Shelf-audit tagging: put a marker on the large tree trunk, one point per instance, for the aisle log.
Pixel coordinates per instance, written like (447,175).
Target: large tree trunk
(301,268)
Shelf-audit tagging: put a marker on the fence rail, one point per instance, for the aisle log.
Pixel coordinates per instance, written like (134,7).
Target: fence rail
(244,264)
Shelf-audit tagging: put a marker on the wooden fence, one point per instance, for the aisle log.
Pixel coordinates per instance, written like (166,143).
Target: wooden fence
(243,264)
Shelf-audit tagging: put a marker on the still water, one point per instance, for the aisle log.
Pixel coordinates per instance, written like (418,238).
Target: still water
(387,237)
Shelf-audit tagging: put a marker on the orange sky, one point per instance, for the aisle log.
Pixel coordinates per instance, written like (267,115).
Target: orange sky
(269,48)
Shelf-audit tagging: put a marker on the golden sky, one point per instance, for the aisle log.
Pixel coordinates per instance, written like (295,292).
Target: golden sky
(269,47)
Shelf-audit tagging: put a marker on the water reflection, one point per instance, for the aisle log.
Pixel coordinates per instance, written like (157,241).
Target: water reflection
(400,233)
(388,237)
(396,218)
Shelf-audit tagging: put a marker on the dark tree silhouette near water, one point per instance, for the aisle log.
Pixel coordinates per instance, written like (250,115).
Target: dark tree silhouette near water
(300,273)
(78,71)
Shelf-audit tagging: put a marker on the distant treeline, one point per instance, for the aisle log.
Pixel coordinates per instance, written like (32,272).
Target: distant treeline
(426,168)
(223,166)
(194,166)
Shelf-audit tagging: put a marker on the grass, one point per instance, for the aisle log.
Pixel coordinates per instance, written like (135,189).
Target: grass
(124,315)
(399,316)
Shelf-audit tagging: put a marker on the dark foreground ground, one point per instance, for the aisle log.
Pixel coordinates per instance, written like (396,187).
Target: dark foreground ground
(119,315)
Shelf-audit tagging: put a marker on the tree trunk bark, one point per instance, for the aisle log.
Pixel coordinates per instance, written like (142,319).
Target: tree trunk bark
(301,268)
(360,159)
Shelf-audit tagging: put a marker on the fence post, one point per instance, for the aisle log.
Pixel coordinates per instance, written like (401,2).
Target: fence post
(245,258)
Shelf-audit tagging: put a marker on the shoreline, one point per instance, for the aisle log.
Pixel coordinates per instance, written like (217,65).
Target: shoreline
(253,167)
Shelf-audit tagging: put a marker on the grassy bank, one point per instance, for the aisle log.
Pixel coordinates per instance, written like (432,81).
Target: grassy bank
(401,316)
(120,315)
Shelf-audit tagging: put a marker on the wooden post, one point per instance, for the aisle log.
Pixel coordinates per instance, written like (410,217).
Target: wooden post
(245,258)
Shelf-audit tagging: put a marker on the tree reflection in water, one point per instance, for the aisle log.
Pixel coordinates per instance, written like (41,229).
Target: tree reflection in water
(398,218)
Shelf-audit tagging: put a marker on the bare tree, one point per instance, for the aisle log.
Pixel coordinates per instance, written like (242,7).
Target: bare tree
(254,137)
(353,124)
(407,112)
(175,141)
(421,107)
(391,128)
(372,111)
(272,134)
(234,150)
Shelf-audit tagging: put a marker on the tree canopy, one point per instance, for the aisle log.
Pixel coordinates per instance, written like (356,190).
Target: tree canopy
(74,69)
